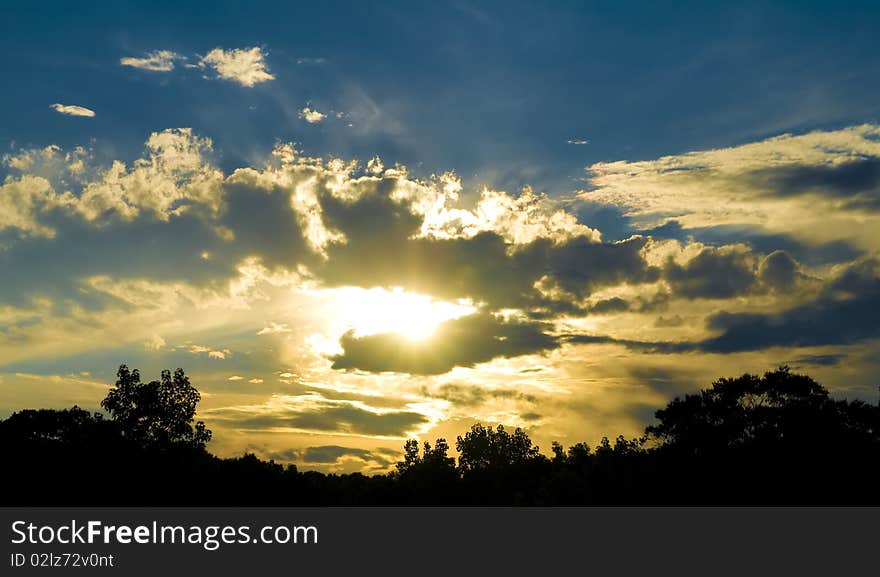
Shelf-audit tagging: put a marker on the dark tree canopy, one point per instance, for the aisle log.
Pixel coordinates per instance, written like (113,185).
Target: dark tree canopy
(482,448)
(752,411)
(158,413)
(67,426)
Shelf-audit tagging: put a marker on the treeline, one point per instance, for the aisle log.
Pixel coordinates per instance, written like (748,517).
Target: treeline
(776,439)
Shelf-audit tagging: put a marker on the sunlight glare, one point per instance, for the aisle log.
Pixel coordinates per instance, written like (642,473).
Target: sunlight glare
(378,310)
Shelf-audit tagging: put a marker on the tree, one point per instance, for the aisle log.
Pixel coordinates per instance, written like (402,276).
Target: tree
(482,448)
(159,413)
(433,459)
(753,411)
(411,457)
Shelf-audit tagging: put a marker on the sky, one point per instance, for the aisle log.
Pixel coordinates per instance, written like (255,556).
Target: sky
(356,223)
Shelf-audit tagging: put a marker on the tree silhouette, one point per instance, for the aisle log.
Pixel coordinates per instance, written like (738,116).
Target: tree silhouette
(482,448)
(158,413)
(753,411)
(775,439)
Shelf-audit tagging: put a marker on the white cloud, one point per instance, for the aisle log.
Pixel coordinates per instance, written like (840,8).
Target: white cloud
(255,381)
(246,66)
(172,177)
(311,115)
(155,61)
(72,110)
(20,202)
(154,343)
(814,186)
(578,141)
(235,378)
(274,328)
(212,354)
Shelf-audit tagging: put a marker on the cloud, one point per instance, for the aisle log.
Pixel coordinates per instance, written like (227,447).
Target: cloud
(315,413)
(539,276)
(21,203)
(332,453)
(246,66)
(274,329)
(89,242)
(461,395)
(296,213)
(461,342)
(849,179)
(268,226)
(155,61)
(73,110)
(830,360)
(155,343)
(235,378)
(173,177)
(212,354)
(509,252)
(577,141)
(805,250)
(818,187)
(846,312)
(714,273)
(311,116)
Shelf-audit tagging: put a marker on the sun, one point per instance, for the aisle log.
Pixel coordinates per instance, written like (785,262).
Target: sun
(379,310)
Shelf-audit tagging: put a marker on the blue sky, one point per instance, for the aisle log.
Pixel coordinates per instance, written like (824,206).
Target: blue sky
(493,91)
(353,223)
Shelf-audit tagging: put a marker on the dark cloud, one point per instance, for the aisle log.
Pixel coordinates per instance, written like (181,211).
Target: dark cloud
(381,458)
(580,266)
(478,267)
(264,224)
(474,395)
(758,241)
(460,342)
(332,453)
(732,271)
(253,222)
(779,271)
(847,311)
(612,305)
(328,416)
(820,360)
(856,180)
(284,455)
(714,273)
(383,249)
(614,224)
